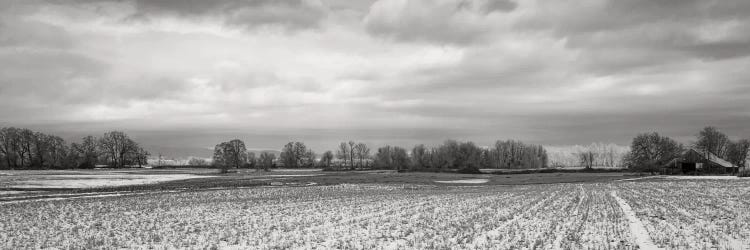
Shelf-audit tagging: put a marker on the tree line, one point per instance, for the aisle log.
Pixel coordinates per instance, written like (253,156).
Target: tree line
(651,151)
(451,155)
(593,155)
(26,149)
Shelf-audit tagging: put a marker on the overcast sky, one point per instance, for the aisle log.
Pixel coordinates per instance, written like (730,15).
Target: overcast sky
(188,73)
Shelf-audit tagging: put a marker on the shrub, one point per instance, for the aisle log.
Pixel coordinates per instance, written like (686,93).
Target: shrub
(744,173)
(86,165)
(469,170)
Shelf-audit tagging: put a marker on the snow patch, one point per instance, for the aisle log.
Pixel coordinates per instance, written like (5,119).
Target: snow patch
(720,177)
(297,170)
(5,192)
(636,227)
(90,181)
(291,175)
(466,181)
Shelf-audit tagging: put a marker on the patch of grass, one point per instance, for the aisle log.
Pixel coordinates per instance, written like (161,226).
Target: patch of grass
(556,170)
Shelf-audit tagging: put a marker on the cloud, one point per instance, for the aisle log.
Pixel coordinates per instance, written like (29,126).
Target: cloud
(289,14)
(404,71)
(20,33)
(443,21)
(621,36)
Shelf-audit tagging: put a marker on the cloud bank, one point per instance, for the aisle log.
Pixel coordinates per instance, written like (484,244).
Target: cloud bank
(552,72)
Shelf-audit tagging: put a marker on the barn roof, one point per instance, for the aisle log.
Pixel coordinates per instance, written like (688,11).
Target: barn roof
(713,158)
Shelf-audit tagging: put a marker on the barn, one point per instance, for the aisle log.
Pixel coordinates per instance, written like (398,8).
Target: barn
(693,161)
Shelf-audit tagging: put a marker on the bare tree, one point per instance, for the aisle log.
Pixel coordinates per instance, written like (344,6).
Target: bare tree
(26,145)
(737,153)
(41,146)
(711,140)
(650,151)
(295,154)
(117,146)
(230,154)
(420,156)
(383,158)
(587,159)
(23,148)
(516,154)
(59,153)
(362,152)
(400,158)
(251,160)
(308,159)
(87,152)
(197,162)
(237,153)
(391,158)
(351,154)
(141,156)
(9,138)
(265,160)
(326,158)
(343,152)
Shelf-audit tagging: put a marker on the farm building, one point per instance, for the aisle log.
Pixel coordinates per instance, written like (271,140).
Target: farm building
(693,161)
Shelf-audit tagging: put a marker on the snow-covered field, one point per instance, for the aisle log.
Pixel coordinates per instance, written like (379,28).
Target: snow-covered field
(692,214)
(99,180)
(671,214)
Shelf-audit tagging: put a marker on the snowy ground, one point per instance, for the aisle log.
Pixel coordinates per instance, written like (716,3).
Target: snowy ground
(637,229)
(699,177)
(6,192)
(297,170)
(466,181)
(651,213)
(91,180)
(290,175)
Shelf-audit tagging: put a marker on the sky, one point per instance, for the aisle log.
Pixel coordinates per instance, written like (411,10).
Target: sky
(183,75)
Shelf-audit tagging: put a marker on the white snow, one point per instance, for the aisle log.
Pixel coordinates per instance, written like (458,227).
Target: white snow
(719,177)
(636,227)
(89,181)
(297,170)
(291,175)
(5,192)
(686,177)
(466,181)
